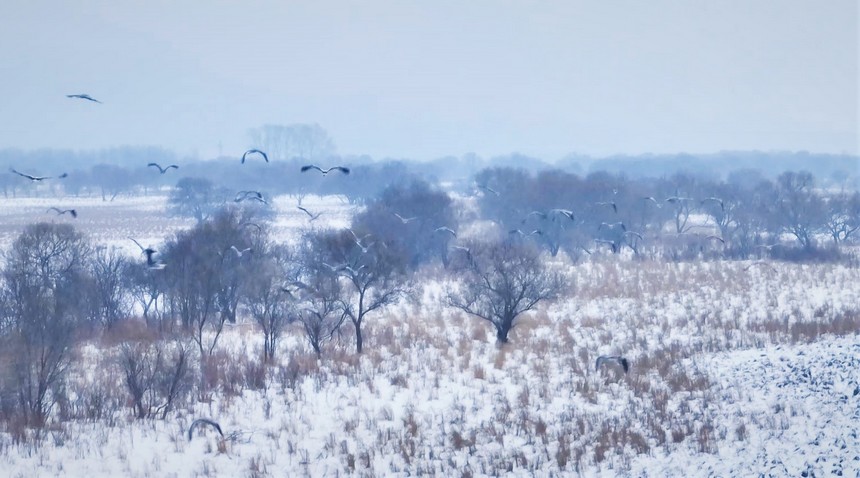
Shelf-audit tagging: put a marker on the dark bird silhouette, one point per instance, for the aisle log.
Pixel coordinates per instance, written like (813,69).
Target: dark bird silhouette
(677,199)
(651,198)
(160,169)
(446,230)
(203,421)
(718,238)
(252,195)
(342,169)
(562,212)
(612,359)
(252,151)
(149,251)
(313,217)
(404,220)
(83,96)
(609,203)
(63,211)
(539,214)
(37,178)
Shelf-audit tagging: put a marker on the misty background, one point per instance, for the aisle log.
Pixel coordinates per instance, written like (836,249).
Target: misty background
(412,80)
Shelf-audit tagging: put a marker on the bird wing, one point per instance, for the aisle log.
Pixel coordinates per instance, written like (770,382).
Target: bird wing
(34,178)
(305,210)
(313,166)
(345,170)
(138,244)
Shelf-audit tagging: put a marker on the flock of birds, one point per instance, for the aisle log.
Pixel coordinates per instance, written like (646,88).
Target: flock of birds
(149,252)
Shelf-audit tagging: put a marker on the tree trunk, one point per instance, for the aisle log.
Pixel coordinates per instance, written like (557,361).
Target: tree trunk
(359,341)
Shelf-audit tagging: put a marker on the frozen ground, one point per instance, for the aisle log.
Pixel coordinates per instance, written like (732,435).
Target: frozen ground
(735,371)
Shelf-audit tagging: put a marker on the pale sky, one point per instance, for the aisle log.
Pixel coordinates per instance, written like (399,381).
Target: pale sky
(424,79)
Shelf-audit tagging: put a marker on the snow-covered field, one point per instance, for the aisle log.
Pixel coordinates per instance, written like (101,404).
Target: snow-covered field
(735,371)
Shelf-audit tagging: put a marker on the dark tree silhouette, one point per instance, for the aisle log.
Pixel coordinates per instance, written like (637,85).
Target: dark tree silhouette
(502,280)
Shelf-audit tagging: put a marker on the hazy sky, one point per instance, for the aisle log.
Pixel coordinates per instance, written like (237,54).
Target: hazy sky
(424,79)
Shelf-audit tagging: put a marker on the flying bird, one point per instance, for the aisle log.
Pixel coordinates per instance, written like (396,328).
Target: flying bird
(83,96)
(149,251)
(445,229)
(715,199)
(37,178)
(358,243)
(521,233)
(252,195)
(313,217)
(342,169)
(487,188)
(612,359)
(612,226)
(203,421)
(562,212)
(718,238)
(237,251)
(651,198)
(252,151)
(404,220)
(609,203)
(676,199)
(60,212)
(334,268)
(160,169)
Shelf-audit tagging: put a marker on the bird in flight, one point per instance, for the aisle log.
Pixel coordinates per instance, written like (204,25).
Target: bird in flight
(83,96)
(63,211)
(404,220)
(445,229)
(488,189)
(521,233)
(203,421)
(252,195)
(313,217)
(562,212)
(37,178)
(237,251)
(716,200)
(252,151)
(610,204)
(651,198)
(149,251)
(160,169)
(342,169)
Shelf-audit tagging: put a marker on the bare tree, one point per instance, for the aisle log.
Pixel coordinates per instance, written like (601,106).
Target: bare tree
(195,197)
(42,273)
(374,275)
(502,280)
(800,210)
(271,294)
(843,216)
(111,299)
(155,375)
(320,310)
(307,141)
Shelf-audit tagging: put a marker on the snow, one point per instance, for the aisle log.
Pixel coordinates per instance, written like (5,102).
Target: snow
(734,372)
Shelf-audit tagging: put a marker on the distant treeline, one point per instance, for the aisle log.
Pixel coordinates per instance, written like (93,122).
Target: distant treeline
(831,170)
